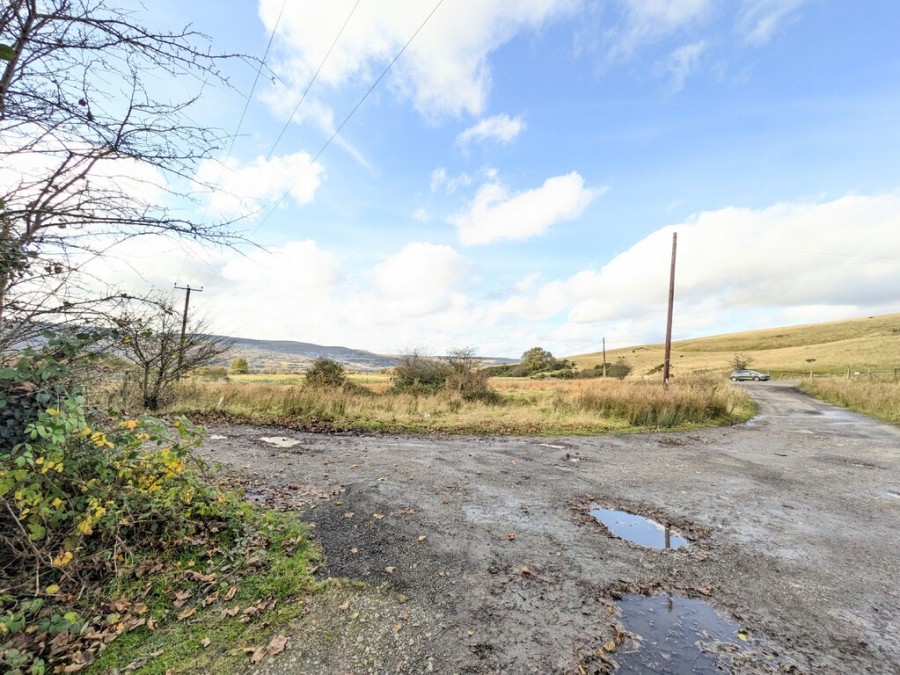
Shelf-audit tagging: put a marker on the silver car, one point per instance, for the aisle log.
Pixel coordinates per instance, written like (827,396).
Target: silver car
(748,375)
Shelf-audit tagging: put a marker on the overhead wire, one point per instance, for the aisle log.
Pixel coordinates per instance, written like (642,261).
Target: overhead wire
(312,80)
(371,88)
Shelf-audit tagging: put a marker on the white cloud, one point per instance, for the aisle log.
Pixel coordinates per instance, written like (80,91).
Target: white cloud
(243,190)
(496,215)
(743,266)
(683,62)
(500,128)
(758,20)
(647,21)
(440,179)
(445,69)
(421,277)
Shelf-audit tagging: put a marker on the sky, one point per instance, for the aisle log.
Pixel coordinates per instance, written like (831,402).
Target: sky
(515,178)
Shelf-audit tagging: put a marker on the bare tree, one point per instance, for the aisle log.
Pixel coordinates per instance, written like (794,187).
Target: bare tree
(740,361)
(150,338)
(92,151)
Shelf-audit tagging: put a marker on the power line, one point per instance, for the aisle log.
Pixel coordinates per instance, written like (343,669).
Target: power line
(347,118)
(315,75)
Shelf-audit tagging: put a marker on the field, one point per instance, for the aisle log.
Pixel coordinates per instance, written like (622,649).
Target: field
(524,406)
(858,346)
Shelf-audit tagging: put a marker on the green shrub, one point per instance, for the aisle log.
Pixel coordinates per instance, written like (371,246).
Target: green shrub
(326,373)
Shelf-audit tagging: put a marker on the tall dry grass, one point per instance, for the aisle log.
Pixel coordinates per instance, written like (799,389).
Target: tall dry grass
(880,400)
(526,407)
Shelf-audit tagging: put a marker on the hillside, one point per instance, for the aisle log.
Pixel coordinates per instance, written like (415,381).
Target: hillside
(858,345)
(286,356)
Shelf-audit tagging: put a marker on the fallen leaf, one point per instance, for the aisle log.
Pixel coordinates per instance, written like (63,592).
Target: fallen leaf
(349,514)
(277,645)
(378,516)
(183,595)
(511,536)
(210,599)
(194,575)
(525,570)
(354,550)
(205,642)
(421,537)
(390,569)
(344,607)
(610,647)
(398,627)
(189,612)
(470,632)
(407,511)
(52,589)
(229,594)
(231,612)
(742,636)
(258,655)
(140,608)
(402,599)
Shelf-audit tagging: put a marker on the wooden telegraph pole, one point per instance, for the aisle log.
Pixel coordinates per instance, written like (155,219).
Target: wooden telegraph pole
(667,361)
(187,300)
(604,357)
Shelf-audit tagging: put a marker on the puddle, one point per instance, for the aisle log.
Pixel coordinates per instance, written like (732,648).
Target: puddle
(674,634)
(280,441)
(638,529)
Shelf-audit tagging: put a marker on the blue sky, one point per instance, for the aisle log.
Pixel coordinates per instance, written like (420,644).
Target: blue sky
(516,177)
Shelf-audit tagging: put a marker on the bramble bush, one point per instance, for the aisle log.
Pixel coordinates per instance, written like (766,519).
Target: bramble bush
(83,498)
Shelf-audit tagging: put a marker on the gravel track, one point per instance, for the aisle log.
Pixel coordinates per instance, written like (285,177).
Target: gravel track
(480,557)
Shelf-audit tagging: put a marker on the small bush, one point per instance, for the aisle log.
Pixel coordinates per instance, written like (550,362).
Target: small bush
(418,374)
(325,374)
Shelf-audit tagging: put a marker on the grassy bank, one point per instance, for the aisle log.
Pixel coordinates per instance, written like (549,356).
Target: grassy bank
(880,400)
(524,407)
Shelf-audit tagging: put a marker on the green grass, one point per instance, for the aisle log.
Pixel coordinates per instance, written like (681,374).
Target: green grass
(283,577)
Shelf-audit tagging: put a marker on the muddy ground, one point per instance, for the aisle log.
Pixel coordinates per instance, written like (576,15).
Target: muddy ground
(479,555)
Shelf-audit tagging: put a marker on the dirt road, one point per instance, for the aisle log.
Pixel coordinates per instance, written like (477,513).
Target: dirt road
(492,563)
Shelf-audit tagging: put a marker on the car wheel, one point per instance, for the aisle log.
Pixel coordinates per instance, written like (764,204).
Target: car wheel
(734,379)
(756,379)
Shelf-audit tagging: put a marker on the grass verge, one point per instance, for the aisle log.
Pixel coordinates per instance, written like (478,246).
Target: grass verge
(880,400)
(218,619)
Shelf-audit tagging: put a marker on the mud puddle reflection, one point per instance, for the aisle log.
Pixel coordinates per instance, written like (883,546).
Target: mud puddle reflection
(674,634)
(638,529)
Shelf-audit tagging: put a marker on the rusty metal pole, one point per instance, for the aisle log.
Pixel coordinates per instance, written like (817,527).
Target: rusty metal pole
(667,361)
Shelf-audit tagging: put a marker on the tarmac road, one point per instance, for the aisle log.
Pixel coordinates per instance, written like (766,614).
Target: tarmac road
(493,565)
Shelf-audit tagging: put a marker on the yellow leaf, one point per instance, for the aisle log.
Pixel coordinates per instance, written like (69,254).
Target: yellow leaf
(742,636)
(51,589)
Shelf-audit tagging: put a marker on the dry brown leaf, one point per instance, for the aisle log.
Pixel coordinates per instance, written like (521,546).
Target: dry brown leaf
(258,655)
(231,612)
(398,627)
(210,599)
(189,612)
(354,550)
(526,570)
(277,645)
(205,642)
(229,594)
(74,667)
(378,516)
(511,536)
(610,647)
(183,595)
(140,608)
(407,511)
(194,575)
(344,607)
(390,569)
(470,632)
(421,537)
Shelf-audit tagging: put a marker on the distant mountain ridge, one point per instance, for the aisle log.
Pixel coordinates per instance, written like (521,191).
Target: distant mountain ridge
(281,355)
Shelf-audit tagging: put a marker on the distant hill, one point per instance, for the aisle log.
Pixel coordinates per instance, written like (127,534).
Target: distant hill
(857,345)
(289,356)
(285,356)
